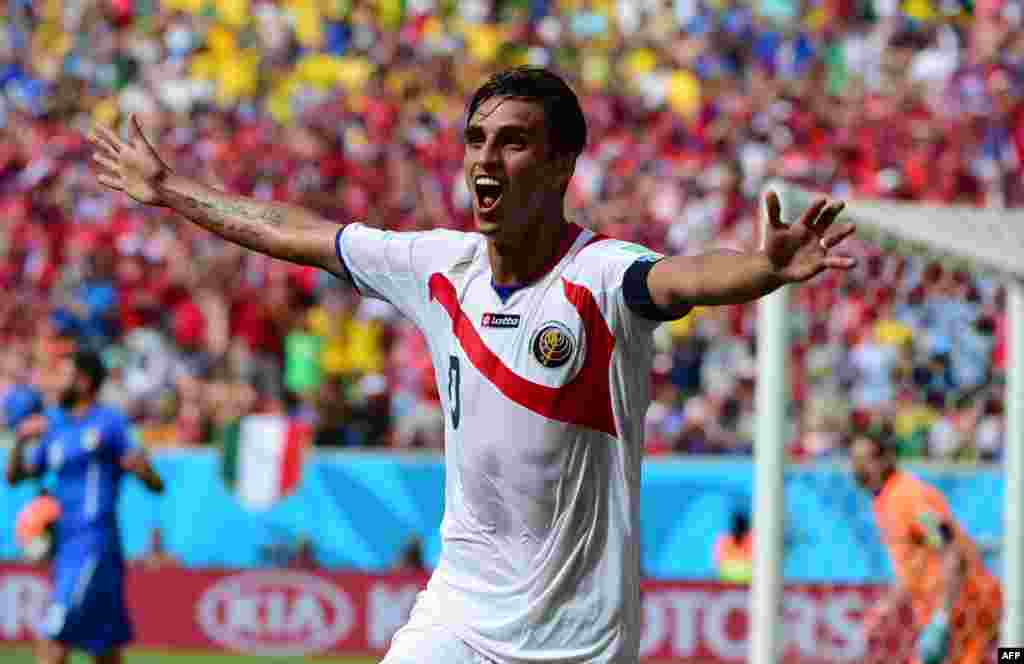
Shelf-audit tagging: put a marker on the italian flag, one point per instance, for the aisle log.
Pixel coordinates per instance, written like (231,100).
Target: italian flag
(262,457)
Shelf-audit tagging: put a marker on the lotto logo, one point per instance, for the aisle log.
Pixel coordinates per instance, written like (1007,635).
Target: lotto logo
(1011,654)
(500,320)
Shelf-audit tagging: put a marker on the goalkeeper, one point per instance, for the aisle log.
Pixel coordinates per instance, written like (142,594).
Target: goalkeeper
(957,602)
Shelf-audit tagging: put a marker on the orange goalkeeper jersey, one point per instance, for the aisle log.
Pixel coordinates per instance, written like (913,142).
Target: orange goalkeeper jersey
(910,514)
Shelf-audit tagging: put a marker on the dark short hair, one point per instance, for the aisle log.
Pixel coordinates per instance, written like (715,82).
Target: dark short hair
(567,128)
(883,435)
(91,364)
(740,523)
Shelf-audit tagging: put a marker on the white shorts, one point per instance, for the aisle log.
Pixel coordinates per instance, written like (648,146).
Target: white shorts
(426,639)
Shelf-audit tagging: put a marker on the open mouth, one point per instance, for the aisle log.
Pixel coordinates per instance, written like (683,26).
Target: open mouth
(488,192)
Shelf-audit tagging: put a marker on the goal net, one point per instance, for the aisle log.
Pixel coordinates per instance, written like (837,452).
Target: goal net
(913,344)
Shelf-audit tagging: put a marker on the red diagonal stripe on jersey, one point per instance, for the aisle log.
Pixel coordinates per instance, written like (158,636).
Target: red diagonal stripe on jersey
(584,401)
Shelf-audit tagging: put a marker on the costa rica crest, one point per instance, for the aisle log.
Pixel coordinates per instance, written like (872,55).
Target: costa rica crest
(553,344)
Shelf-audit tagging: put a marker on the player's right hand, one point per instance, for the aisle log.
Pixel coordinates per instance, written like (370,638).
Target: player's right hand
(132,166)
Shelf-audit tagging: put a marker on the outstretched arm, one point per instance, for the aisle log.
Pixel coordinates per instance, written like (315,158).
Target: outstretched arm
(788,254)
(280,230)
(137,463)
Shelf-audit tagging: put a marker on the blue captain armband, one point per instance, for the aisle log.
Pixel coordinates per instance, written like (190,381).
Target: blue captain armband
(637,293)
(341,259)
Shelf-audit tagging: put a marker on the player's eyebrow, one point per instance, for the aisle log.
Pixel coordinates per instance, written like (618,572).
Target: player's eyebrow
(516,131)
(475,131)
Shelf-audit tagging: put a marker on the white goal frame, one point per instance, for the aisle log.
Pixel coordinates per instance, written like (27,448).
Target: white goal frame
(978,239)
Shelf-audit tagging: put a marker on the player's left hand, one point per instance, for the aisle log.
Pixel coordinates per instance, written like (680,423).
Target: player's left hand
(802,250)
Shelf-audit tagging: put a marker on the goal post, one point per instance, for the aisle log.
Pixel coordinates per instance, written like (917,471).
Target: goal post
(988,240)
(1013,533)
(769,462)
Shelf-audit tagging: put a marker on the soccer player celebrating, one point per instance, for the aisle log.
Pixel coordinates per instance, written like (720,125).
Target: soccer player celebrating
(89,448)
(540,333)
(957,602)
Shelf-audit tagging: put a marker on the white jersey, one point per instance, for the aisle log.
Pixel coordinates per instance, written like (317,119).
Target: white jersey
(544,398)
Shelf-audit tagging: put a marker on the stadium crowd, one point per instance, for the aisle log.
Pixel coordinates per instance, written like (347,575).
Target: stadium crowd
(355,108)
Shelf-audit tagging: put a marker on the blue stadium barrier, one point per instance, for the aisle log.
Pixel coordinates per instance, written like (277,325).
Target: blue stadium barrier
(360,509)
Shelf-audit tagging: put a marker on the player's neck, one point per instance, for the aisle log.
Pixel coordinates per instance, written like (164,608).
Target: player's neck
(81,407)
(523,262)
(886,476)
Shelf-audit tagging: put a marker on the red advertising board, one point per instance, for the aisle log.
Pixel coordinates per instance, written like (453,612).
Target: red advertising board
(290,612)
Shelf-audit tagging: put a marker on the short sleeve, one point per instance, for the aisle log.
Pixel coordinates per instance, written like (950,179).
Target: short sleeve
(396,266)
(617,265)
(637,292)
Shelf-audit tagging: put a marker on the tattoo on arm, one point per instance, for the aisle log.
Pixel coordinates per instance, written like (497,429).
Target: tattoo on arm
(247,211)
(277,229)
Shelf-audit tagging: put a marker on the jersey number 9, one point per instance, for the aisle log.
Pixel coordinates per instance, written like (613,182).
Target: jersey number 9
(453,389)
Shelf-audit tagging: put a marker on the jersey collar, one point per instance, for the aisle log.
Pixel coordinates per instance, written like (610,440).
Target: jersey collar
(888,487)
(570,233)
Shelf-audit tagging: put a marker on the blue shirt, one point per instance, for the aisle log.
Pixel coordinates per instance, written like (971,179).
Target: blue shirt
(100,300)
(84,453)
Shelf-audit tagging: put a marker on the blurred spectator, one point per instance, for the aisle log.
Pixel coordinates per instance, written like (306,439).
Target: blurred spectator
(424,425)
(411,558)
(990,436)
(334,415)
(913,419)
(304,558)
(303,352)
(874,364)
(353,108)
(701,432)
(821,435)
(664,420)
(952,435)
(734,551)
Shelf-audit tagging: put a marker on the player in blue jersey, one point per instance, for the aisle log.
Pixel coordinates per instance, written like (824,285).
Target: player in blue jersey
(88,447)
